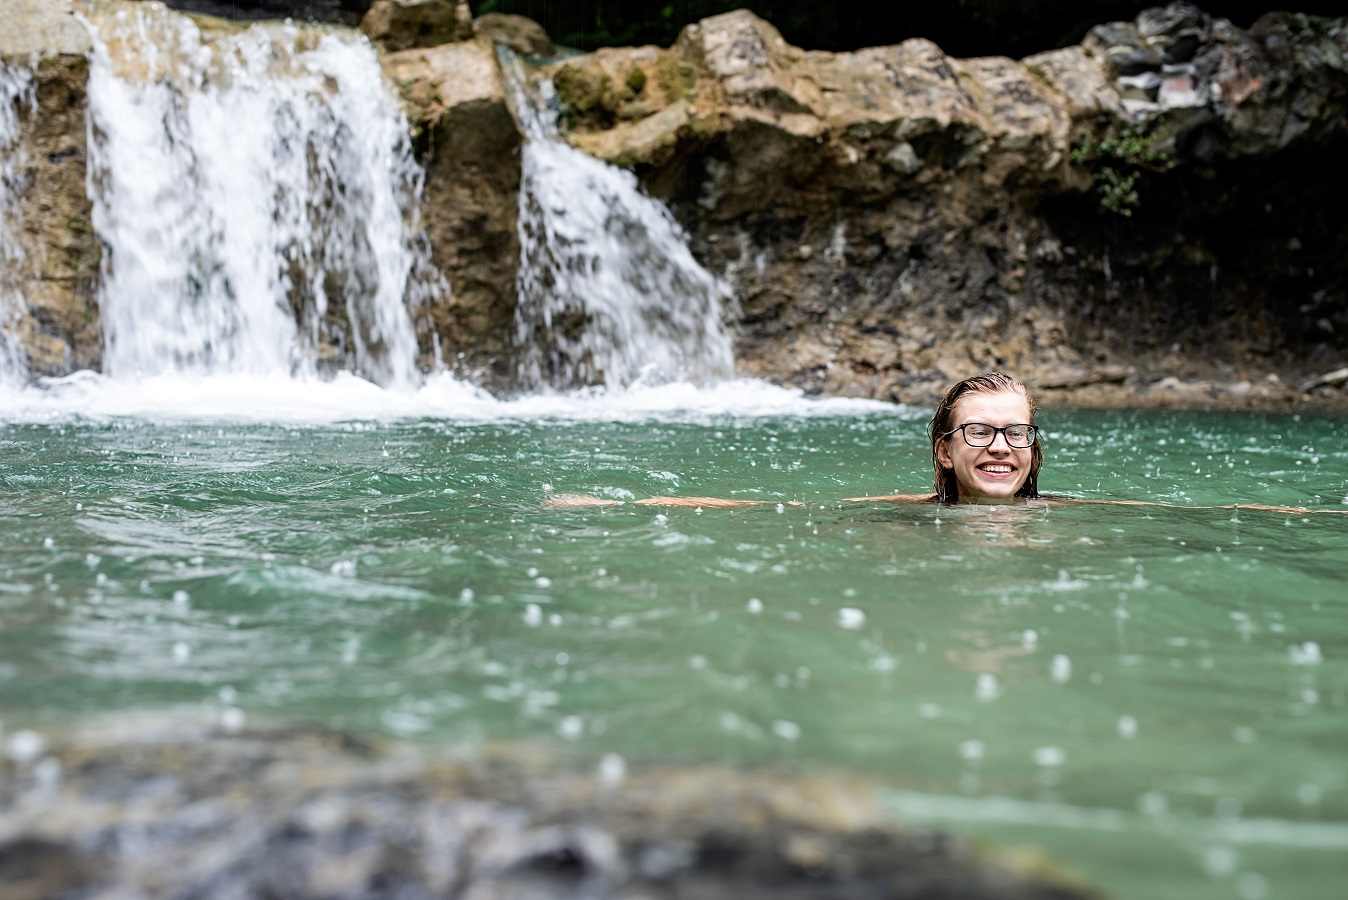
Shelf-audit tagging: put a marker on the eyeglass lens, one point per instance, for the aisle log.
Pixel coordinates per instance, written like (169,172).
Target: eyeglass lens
(979,435)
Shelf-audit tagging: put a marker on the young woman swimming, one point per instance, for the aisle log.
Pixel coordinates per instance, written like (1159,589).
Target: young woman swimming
(985,449)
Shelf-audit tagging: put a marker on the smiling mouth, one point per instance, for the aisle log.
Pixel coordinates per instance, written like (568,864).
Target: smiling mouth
(996,468)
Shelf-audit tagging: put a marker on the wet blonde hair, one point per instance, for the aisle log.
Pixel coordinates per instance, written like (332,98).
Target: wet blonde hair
(947,486)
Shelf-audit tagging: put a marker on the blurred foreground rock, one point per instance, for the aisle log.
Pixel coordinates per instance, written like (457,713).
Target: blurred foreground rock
(150,809)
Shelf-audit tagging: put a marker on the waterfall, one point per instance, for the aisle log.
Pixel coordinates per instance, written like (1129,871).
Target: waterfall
(608,290)
(256,197)
(16,93)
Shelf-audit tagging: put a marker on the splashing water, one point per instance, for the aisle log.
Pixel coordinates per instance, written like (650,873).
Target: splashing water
(608,290)
(255,193)
(16,93)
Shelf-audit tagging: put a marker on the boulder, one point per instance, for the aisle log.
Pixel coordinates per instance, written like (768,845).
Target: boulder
(307,813)
(405,24)
(466,137)
(522,35)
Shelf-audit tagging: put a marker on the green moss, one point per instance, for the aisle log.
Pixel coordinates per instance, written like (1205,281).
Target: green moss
(636,81)
(1118,160)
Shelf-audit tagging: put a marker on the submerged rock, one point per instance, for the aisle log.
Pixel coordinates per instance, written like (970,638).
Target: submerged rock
(183,811)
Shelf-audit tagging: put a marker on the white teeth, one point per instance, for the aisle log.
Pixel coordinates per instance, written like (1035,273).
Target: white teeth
(996,470)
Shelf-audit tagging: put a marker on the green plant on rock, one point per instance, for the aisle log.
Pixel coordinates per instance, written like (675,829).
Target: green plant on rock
(1118,160)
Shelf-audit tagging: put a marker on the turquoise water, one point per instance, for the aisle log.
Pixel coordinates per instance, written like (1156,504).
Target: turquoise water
(1158,696)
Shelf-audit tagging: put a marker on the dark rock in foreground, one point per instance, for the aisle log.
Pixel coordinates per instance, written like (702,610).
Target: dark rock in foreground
(194,813)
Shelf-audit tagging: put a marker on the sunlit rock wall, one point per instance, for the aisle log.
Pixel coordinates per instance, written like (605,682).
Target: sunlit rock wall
(893,218)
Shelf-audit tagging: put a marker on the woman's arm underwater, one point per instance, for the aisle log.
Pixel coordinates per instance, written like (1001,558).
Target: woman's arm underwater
(577,500)
(567,500)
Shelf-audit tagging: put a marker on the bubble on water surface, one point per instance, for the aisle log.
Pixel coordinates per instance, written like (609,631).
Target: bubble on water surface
(612,769)
(182,652)
(986,687)
(25,746)
(1252,886)
(787,731)
(344,568)
(1152,803)
(571,727)
(972,750)
(350,651)
(1305,654)
(1220,862)
(1061,669)
(92,560)
(1309,793)
(180,598)
(754,605)
(48,543)
(543,581)
(533,615)
(1029,638)
(1049,757)
(1127,727)
(228,695)
(851,618)
(466,596)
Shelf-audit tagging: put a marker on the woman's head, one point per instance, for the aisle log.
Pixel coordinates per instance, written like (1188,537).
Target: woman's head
(998,471)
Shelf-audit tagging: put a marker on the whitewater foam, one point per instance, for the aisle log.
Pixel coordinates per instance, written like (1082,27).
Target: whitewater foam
(89,396)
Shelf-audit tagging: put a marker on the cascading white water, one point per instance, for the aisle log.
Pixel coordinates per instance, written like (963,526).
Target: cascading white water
(608,290)
(16,94)
(251,190)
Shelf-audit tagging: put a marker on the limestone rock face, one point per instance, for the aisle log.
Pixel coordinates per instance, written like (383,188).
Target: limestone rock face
(405,24)
(891,219)
(468,140)
(56,268)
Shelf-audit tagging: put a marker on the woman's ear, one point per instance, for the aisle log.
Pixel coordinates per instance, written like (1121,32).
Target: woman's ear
(943,454)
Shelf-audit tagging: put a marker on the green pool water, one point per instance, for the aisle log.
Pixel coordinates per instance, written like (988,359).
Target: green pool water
(1157,696)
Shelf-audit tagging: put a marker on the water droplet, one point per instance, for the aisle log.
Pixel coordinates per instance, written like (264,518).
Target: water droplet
(971,750)
(1029,638)
(181,598)
(851,618)
(466,596)
(571,727)
(1251,886)
(181,652)
(1152,803)
(1061,669)
(787,731)
(1219,861)
(929,710)
(612,769)
(25,747)
(754,605)
(533,615)
(1049,757)
(986,688)
(1306,654)
(1127,727)
(232,719)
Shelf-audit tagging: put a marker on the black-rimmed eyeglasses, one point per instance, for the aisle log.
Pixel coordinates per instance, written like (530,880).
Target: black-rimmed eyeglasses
(977,434)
